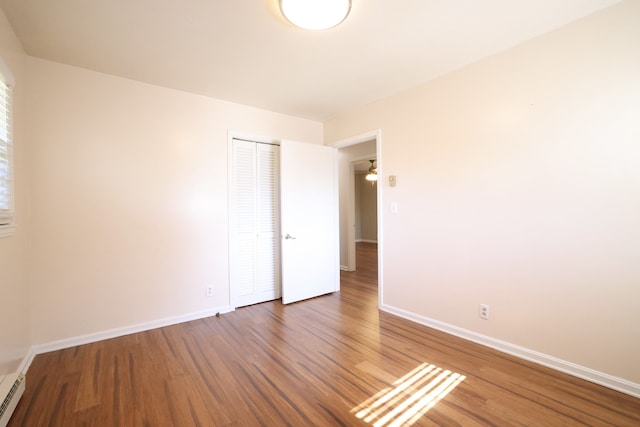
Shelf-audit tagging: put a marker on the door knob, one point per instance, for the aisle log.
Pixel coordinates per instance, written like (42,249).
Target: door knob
(288,236)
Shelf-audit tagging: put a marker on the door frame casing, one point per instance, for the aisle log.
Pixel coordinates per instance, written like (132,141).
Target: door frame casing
(358,139)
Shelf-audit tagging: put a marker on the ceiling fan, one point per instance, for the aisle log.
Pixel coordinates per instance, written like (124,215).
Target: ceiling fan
(372,174)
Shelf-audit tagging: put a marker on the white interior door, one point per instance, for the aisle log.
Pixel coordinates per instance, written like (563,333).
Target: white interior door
(309,221)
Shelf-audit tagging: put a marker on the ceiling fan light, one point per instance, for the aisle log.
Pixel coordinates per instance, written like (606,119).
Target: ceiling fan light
(372,174)
(315,14)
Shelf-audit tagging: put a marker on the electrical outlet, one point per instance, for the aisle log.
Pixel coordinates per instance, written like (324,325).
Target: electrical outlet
(484,311)
(209,291)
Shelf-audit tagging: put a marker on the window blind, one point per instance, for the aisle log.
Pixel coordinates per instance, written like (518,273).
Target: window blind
(6,185)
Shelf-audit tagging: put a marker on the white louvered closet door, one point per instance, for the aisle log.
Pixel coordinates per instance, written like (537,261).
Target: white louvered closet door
(255,236)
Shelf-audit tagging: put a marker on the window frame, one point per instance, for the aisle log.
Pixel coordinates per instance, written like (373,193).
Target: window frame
(7,216)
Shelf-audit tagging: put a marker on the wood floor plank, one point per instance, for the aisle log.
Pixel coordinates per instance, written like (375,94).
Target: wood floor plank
(324,362)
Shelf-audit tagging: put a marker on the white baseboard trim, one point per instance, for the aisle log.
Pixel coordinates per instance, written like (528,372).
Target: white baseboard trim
(26,362)
(118,332)
(570,368)
(366,241)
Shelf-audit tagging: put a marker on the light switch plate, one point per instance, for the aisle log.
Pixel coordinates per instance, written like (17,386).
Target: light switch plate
(392,180)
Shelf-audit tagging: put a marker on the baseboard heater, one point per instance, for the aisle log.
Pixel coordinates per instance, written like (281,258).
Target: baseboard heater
(11,390)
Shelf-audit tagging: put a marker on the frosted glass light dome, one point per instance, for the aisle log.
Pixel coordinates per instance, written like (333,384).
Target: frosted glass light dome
(315,14)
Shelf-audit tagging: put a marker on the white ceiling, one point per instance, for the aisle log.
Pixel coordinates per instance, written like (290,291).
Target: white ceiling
(363,165)
(243,50)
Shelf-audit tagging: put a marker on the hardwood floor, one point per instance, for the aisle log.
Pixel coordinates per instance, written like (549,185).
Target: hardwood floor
(321,362)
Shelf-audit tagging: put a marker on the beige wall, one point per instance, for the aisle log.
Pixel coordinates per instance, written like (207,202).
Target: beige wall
(15,318)
(130,198)
(519,187)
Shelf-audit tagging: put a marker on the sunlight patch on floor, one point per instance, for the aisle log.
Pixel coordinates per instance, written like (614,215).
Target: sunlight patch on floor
(410,397)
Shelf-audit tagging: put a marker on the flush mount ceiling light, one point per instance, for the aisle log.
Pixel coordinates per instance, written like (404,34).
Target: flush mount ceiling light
(315,14)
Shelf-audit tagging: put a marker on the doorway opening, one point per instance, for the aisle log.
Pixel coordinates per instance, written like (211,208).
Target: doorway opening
(360,215)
